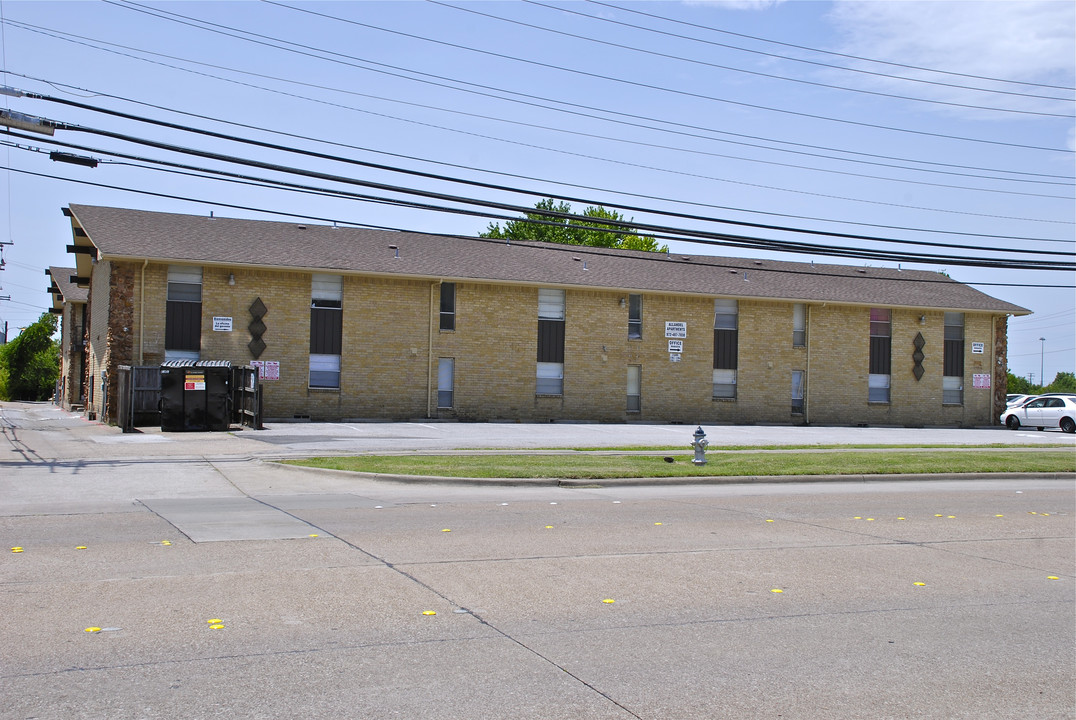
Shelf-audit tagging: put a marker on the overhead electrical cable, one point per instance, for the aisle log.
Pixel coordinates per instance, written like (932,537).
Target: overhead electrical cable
(655,53)
(831,52)
(855,156)
(630,224)
(619,226)
(230,31)
(552,247)
(85,106)
(414,173)
(536,179)
(790,58)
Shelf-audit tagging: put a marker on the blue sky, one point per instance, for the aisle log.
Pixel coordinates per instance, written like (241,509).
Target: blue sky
(937,122)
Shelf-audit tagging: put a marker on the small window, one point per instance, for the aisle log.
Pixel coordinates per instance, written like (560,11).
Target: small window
(183,313)
(878,388)
(325,371)
(799,325)
(797,392)
(725,313)
(952,390)
(448,306)
(326,330)
(635,382)
(550,379)
(446,369)
(724,384)
(635,317)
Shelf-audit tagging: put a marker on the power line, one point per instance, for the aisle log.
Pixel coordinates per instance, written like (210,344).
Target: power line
(830,52)
(930,164)
(613,226)
(552,247)
(667,56)
(627,228)
(525,177)
(213,27)
(262,144)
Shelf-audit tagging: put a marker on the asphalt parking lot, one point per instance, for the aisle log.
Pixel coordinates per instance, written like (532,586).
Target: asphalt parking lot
(183,575)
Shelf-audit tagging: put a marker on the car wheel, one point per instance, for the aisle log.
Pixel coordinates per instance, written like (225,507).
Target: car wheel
(1013,422)
(1068,425)
(1040,429)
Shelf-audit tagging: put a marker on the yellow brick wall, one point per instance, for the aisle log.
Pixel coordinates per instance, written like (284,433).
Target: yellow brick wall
(392,343)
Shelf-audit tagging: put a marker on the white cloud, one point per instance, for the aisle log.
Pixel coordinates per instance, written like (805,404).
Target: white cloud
(1026,40)
(738,4)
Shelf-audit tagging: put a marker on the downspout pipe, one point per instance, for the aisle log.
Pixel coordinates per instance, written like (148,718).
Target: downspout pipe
(142,314)
(429,349)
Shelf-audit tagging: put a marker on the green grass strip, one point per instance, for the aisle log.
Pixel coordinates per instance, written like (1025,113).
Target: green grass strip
(598,467)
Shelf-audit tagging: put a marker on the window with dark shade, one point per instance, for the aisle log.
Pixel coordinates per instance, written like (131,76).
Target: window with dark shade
(953,360)
(448,306)
(880,362)
(326,330)
(550,368)
(726,348)
(635,316)
(183,313)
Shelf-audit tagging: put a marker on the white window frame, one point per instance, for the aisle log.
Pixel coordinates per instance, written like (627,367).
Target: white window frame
(799,325)
(798,391)
(446,377)
(635,388)
(549,379)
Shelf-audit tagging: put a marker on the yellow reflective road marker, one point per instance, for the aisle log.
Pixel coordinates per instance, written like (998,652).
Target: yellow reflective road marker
(768,520)
(1052,577)
(93,629)
(608,601)
(920,584)
(447,530)
(16,549)
(312,535)
(428,612)
(217,626)
(657,523)
(777,590)
(80,547)
(214,621)
(548,527)
(900,518)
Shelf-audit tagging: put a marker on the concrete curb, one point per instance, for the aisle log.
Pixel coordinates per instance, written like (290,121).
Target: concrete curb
(674,481)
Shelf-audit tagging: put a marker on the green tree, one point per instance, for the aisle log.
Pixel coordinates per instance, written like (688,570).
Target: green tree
(540,227)
(1018,385)
(30,364)
(1063,382)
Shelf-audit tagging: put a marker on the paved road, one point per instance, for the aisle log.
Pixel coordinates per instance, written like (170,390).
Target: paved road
(916,599)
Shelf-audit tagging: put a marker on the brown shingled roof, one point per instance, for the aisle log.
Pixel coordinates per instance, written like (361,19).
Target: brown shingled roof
(164,237)
(69,292)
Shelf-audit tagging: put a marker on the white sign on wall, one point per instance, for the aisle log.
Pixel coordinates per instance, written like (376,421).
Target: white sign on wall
(676,329)
(674,357)
(978,348)
(980,381)
(222,324)
(676,346)
(267,369)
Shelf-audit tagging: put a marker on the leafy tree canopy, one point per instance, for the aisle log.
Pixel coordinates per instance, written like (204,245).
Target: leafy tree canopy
(590,230)
(1063,382)
(30,364)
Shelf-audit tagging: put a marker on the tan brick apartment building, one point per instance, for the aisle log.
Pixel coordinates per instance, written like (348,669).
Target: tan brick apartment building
(69,302)
(358,323)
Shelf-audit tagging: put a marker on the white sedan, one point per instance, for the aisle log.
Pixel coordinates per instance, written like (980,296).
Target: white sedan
(1043,412)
